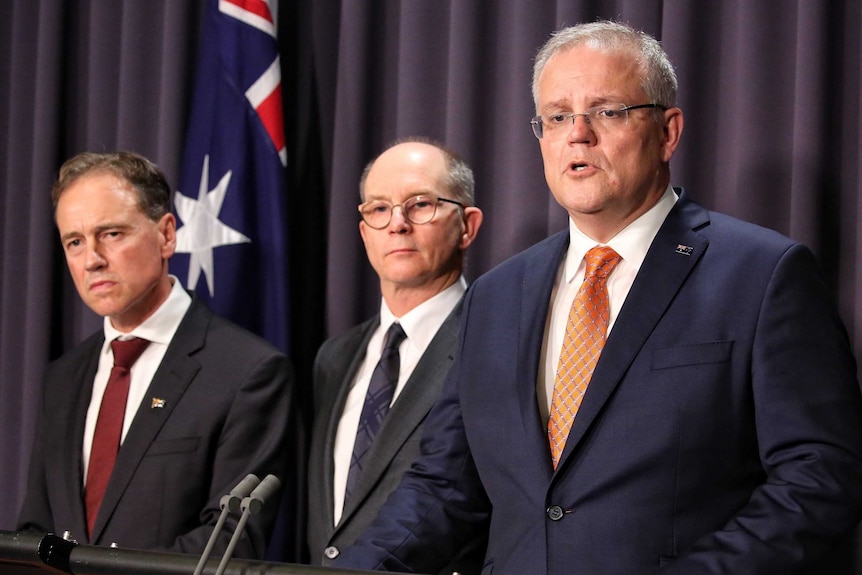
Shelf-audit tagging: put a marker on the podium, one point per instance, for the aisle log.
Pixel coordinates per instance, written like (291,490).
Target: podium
(23,553)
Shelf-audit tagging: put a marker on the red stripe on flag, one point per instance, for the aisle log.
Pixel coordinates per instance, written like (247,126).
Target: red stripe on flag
(256,7)
(272,117)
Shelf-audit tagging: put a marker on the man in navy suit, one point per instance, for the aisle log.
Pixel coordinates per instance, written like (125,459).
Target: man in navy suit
(721,427)
(207,402)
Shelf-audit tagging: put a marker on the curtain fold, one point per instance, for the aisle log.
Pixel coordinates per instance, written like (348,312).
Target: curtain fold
(31,49)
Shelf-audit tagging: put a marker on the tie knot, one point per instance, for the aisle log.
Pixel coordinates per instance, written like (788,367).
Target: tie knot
(601,261)
(394,336)
(127,352)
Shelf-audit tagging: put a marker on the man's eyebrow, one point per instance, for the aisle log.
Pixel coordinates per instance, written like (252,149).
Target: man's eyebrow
(592,102)
(96,230)
(414,193)
(555,105)
(70,235)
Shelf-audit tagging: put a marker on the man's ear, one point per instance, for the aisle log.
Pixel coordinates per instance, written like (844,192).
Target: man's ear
(168,231)
(673,124)
(471,223)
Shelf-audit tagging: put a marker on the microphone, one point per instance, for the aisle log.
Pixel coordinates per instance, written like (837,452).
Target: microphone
(233,499)
(230,503)
(250,505)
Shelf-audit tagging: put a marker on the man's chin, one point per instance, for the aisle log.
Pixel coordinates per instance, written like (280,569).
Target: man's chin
(104,306)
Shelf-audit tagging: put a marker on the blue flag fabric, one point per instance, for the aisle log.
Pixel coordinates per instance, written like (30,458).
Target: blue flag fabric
(231,203)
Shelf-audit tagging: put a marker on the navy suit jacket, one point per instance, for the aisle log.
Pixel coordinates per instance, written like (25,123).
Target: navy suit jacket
(721,431)
(227,408)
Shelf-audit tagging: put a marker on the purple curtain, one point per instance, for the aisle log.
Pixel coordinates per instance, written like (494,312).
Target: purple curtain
(770,90)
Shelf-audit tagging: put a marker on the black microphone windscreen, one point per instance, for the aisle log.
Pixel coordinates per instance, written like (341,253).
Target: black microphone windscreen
(233,500)
(267,488)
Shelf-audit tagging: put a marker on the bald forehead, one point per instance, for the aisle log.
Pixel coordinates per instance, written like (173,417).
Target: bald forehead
(408,166)
(411,154)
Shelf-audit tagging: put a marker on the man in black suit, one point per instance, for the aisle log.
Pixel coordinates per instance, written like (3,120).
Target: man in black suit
(418,219)
(207,402)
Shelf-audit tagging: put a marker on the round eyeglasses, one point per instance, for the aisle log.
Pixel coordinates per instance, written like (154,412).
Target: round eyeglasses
(600,118)
(417,210)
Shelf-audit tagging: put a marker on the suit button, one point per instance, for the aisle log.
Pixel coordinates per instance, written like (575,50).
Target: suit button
(331,552)
(555,512)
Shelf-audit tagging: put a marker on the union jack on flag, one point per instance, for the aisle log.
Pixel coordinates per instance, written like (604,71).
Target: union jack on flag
(231,203)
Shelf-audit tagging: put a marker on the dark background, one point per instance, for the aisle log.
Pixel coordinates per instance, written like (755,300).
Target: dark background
(770,91)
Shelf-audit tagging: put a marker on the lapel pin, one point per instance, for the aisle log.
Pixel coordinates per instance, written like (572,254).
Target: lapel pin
(684,250)
(158,403)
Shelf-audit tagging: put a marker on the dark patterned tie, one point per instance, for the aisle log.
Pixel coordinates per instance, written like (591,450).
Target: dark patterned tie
(377,400)
(109,425)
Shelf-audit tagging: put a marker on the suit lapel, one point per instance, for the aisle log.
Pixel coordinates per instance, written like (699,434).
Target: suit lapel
(173,376)
(410,408)
(539,278)
(343,379)
(673,254)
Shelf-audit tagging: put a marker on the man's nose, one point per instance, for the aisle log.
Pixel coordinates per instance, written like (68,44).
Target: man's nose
(94,259)
(581,128)
(399,222)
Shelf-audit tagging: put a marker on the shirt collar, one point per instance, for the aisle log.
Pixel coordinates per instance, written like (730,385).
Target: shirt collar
(422,322)
(161,326)
(632,242)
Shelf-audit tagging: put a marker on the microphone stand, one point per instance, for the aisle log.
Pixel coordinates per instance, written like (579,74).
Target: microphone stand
(230,503)
(250,505)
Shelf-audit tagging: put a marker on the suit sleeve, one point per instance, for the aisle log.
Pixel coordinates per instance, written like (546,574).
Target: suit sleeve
(35,514)
(53,447)
(808,416)
(261,436)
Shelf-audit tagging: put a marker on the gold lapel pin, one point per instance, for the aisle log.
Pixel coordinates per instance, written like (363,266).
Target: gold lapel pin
(158,403)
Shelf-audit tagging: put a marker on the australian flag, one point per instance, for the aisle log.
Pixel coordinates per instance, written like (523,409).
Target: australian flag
(231,202)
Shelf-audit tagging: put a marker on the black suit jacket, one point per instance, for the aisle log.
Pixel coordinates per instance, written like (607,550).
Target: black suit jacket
(227,407)
(394,449)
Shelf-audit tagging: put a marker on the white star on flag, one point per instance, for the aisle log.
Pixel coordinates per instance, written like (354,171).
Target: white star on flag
(202,230)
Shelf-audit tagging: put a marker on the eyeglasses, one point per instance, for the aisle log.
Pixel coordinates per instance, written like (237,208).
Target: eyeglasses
(602,118)
(417,210)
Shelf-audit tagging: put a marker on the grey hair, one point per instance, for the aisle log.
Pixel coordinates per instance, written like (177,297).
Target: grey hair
(659,78)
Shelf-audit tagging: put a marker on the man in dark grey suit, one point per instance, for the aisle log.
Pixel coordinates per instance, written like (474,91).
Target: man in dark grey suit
(418,219)
(204,404)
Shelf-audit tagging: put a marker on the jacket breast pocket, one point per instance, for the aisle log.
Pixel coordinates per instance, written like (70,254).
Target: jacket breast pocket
(692,354)
(178,445)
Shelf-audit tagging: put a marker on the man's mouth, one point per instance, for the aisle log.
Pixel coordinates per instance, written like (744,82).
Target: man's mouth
(100,284)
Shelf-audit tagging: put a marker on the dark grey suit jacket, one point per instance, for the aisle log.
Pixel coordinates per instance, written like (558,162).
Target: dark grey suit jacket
(228,403)
(394,449)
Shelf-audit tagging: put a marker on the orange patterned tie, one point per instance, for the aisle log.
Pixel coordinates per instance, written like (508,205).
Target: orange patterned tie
(586,330)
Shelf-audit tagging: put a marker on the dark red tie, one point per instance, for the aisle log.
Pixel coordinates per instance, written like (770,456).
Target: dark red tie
(109,425)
